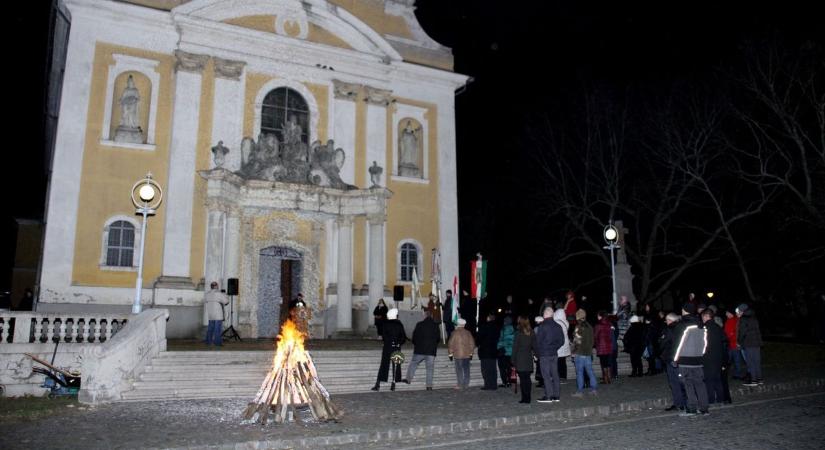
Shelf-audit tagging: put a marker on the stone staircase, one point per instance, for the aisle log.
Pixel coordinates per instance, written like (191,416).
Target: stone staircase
(239,374)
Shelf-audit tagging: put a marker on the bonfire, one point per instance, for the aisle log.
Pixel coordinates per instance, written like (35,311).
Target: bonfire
(292,383)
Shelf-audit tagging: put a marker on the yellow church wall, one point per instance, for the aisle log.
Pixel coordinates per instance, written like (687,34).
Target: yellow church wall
(372,13)
(108,173)
(412,212)
(266,24)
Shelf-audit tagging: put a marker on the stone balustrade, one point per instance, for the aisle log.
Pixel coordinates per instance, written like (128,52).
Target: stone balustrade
(33,328)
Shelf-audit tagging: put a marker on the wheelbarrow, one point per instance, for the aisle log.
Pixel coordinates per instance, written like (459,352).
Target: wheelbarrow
(60,382)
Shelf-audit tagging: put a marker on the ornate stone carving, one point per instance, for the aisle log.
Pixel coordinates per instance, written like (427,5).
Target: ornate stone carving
(218,154)
(375,96)
(189,62)
(226,68)
(408,149)
(346,91)
(129,129)
(292,161)
(375,174)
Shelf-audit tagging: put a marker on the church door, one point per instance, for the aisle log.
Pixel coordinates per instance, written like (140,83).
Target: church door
(279,281)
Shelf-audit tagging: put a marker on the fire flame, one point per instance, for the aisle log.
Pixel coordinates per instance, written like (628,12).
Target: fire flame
(290,346)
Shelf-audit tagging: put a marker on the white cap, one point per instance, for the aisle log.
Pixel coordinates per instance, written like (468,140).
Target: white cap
(634,318)
(539,319)
(392,314)
(461,322)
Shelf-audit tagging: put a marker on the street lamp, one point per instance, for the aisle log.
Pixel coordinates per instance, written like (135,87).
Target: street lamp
(611,236)
(710,295)
(146,196)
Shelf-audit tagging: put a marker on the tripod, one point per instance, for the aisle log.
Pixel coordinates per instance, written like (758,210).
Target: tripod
(230,332)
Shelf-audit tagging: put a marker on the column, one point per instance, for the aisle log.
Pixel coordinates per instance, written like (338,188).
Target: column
(343,129)
(232,252)
(215,247)
(447,191)
(344,274)
(227,115)
(376,258)
(181,183)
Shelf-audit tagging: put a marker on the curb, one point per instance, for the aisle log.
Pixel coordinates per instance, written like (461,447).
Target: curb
(396,434)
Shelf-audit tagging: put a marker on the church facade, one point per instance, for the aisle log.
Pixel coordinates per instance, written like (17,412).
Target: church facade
(303,146)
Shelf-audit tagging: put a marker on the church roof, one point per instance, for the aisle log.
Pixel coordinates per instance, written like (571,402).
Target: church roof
(394,20)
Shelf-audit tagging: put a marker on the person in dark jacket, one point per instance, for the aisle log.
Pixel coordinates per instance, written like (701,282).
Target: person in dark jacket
(715,358)
(488,351)
(634,344)
(653,329)
(583,351)
(549,337)
(425,343)
(688,356)
(668,347)
(522,357)
(380,316)
(447,315)
(749,339)
(394,337)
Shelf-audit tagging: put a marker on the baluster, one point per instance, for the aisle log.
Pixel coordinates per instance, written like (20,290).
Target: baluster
(50,324)
(84,331)
(80,328)
(94,332)
(61,331)
(4,332)
(111,331)
(38,330)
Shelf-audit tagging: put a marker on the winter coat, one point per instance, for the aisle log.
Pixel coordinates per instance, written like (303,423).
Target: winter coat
(730,332)
(488,340)
(691,342)
(425,337)
(394,335)
(213,301)
(634,339)
(716,354)
(505,340)
(583,339)
(461,344)
(523,350)
(666,342)
(748,334)
(561,318)
(604,337)
(549,338)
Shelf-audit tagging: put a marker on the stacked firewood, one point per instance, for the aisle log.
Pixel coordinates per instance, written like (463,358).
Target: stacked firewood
(292,383)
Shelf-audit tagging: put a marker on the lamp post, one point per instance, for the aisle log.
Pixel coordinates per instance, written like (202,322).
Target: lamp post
(611,236)
(146,196)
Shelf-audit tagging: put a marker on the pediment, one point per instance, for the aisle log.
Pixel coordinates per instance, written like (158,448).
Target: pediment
(312,20)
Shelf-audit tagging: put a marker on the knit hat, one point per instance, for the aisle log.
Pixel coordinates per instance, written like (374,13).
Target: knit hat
(689,308)
(461,322)
(392,314)
(539,319)
(635,319)
(741,308)
(581,315)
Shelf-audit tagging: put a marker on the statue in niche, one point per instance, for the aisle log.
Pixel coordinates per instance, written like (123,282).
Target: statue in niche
(408,145)
(219,154)
(375,174)
(129,128)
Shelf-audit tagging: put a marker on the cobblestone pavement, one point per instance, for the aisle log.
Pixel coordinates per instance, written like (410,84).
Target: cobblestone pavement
(216,422)
(770,422)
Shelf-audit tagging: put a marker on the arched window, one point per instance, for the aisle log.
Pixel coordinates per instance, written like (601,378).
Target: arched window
(279,106)
(120,244)
(408,259)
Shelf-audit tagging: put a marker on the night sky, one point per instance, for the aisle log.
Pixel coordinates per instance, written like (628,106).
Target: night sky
(528,60)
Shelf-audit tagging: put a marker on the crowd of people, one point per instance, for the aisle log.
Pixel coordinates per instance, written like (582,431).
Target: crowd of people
(698,348)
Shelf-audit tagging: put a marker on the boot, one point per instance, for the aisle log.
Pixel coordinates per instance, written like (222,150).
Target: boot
(606,376)
(392,386)
(376,387)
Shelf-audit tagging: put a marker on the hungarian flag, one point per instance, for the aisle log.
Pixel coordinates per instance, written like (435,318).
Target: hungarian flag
(454,312)
(478,278)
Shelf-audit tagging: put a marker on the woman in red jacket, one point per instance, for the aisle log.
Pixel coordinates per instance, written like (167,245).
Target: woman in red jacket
(734,354)
(604,344)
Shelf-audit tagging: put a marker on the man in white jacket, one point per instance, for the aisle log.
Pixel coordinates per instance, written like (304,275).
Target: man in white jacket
(213,307)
